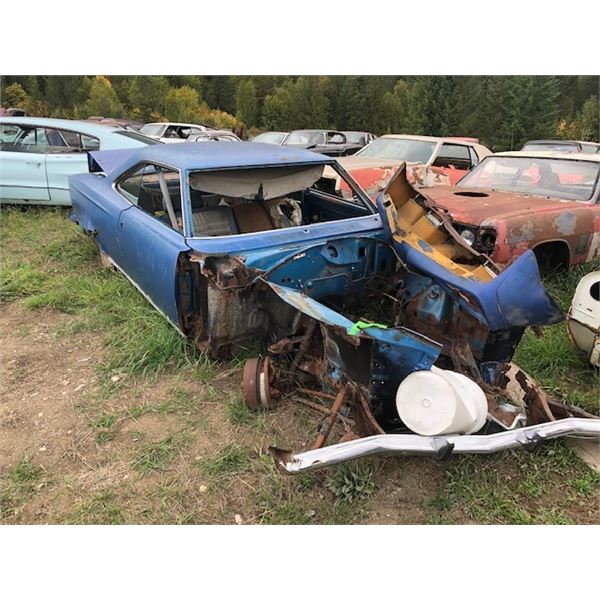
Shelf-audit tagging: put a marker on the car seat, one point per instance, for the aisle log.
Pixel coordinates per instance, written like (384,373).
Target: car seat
(251,217)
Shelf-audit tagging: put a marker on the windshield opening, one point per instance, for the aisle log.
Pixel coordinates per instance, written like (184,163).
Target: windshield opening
(550,147)
(354,137)
(153,129)
(304,138)
(269,138)
(564,179)
(418,151)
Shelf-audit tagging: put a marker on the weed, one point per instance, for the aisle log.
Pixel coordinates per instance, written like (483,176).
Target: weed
(351,483)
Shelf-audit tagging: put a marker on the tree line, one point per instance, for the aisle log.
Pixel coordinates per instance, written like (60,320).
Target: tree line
(502,111)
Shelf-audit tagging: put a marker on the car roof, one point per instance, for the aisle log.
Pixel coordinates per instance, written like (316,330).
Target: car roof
(551,154)
(565,142)
(79,126)
(193,157)
(177,124)
(316,130)
(429,138)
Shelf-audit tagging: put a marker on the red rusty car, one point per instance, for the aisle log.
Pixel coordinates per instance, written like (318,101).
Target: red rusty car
(512,201)
(374,165)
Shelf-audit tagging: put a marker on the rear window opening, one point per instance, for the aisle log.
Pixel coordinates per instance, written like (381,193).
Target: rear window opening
(241,201)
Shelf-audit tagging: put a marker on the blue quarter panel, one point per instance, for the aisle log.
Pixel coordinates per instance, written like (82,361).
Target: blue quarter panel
(148,253)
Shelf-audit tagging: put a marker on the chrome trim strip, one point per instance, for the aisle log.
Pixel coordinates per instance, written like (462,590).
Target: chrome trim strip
(402,444)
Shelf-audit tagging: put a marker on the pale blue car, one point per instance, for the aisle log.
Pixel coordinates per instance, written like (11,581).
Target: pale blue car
(38,155)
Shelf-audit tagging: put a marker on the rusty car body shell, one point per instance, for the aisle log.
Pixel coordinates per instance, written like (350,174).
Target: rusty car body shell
(523,221)
(306,291)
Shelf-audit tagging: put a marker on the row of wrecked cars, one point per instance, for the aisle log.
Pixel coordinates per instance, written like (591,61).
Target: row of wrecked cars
(379,316)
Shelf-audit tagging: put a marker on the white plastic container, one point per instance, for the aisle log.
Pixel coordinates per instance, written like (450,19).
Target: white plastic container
(441,402)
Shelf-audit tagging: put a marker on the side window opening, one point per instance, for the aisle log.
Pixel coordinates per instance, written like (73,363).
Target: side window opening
(157,191)
(474,157)
(453,155)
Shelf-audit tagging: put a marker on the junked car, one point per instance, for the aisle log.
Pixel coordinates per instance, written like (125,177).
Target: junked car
(375,164)
(331,143)
(37,155)
(241,242)
(171,133)
(560,146)
(548,202)
(583,319)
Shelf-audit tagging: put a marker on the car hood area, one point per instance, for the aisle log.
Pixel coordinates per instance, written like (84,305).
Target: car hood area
(485,207)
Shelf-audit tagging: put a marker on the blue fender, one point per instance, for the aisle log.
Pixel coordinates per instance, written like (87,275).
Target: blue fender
(514,298)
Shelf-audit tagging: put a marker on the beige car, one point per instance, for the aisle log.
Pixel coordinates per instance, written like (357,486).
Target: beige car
(374,165)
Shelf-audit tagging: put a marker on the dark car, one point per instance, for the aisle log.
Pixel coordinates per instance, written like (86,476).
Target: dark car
(331,143)
(12,112)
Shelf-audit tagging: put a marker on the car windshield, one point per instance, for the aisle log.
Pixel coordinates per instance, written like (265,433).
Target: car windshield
(590,148)
(135,135)
(418,151)
(153,129)
(304,138)
(269,137)
(550,147)
(549,177)
(354,137)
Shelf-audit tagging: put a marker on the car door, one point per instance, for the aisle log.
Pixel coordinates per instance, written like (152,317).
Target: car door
(23,164)
(66,156)
(150,235)
(454,160)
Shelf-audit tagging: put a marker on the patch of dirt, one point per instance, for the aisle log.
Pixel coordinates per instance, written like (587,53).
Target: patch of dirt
(43,376)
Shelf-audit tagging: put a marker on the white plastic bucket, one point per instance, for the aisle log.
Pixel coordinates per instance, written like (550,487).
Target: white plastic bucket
(440,402)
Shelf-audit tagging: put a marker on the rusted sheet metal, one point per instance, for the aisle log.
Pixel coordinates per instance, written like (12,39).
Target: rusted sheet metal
(522,221)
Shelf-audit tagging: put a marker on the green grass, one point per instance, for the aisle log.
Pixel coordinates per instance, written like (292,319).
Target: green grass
(232,459)
(50,263)
(516,487)
(17,485)
(158,456)
(552,359)
(102,509)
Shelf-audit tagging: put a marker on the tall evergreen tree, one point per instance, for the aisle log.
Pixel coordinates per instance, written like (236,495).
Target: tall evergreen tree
(246,103)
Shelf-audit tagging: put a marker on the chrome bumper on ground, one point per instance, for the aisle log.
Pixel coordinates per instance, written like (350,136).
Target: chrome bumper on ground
(440,446)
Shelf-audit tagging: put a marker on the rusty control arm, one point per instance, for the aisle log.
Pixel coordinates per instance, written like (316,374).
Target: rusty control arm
(327,424)
(441,446)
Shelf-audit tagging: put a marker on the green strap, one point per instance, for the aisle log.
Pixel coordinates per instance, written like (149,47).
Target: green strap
(356,328)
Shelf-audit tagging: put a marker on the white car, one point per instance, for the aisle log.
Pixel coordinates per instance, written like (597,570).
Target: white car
(172,132)
(583,320)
